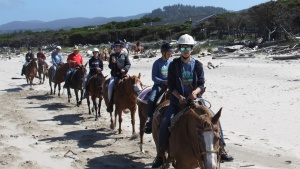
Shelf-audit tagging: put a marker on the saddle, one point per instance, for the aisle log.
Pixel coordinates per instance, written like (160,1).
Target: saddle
(144,95)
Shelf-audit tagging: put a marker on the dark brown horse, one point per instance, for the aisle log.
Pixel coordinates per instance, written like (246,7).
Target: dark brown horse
(30,71)
(76,83)
(95,90)
(60,75)
(194,137)
(136,49)
(125,96)
(42,70)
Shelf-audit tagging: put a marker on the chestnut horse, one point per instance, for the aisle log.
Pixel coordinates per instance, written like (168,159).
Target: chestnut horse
(60,75)
(194,137)
(125,96)
(136,49)
(76,83)
(142,109)
(42,69)
(30,71)
(95,90)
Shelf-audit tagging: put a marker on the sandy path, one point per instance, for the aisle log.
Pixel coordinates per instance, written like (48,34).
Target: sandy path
(260,100)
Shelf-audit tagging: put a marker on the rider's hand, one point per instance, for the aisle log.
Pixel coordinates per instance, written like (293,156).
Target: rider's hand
(114,61)
(122,71)
(182,100)
(193,95)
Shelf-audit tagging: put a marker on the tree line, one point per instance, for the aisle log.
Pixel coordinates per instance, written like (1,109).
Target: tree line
(273,20)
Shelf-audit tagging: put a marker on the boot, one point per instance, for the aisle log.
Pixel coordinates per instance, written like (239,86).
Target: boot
(110,106)
(148,126)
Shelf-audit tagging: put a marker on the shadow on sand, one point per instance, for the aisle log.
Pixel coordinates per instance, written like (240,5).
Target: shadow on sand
(86,138)
(66,119)
(115,161)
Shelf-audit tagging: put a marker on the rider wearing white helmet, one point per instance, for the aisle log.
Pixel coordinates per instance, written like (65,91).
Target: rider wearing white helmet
(185,80)
(95,65)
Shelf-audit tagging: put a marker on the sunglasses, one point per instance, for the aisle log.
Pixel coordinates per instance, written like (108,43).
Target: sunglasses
(182,49)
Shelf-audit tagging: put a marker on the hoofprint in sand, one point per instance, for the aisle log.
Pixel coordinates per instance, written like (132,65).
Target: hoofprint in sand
(260,100)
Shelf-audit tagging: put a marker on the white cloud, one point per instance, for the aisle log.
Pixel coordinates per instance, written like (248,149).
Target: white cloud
(10,3)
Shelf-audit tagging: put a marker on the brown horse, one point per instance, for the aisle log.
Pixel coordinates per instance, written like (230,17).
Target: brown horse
(42,69)
(60,75)
(95,90)
(142,109)
(125,96)
(194,137)
(136,49)
(30,71)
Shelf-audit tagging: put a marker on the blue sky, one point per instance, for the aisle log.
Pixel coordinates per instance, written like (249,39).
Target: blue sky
(48,10)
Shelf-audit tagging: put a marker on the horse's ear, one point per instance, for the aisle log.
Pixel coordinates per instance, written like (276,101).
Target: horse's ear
(216,117)
(105,76)
(139,75)
(86,64)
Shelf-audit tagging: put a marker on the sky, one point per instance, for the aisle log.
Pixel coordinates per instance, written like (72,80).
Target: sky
(49,10)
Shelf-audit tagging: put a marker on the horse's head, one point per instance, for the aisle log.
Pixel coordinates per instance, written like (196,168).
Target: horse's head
(82,70)
(209,138)
(100,82)
(136,83)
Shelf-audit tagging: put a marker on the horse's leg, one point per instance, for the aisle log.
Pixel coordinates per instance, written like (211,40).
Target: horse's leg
(99,106)
(119,113)
(55,84)
(132,112)
(112,125)
(59,88)
(88,102)
(69,93)
(94,98)
(50,84)
(40,77)
(77,98)
(142,108)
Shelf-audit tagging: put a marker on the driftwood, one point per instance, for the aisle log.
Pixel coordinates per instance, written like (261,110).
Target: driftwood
(286,57)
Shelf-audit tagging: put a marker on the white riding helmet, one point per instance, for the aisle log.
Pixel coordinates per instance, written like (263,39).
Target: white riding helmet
(95,50)
(186,39)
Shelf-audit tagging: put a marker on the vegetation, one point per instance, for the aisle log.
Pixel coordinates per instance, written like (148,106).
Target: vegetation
(274,20)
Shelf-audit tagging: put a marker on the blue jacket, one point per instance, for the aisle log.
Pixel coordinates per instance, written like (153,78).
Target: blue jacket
(95,63)
(175,78)
(56,58)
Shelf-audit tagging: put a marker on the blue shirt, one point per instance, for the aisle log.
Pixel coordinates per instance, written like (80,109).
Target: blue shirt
(187,76)
(160,70)
(95,63)
(56,58)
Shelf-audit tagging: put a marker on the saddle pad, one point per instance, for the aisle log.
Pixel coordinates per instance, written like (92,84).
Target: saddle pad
(144,95)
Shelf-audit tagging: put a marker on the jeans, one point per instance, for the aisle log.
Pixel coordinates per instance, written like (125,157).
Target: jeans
(152,99)
(111,86)
(86,79)
(53,71)
(70,70)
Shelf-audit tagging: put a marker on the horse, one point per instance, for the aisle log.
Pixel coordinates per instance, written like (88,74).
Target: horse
(30,71)
(42,69)
(60,75)
(125,96)
(136,49)
(142,108)
(95,90)
(194,137)
(76,83)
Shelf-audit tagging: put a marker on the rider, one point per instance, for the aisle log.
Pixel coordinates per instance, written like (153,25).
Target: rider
(56,60)
(41,56)
(95,65)
(185,80)
(74,60)
(28,57)
(119,64)
(159,77)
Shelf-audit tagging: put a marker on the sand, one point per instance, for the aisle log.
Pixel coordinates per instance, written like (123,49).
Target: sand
(260,119)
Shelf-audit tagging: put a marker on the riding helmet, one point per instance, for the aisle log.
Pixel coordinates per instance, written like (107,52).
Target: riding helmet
(166,47)
(119,43)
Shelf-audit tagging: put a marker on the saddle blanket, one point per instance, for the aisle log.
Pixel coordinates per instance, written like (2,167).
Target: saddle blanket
(144,95)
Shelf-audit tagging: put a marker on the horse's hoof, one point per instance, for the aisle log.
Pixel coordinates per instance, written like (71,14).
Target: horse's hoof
(112,127)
